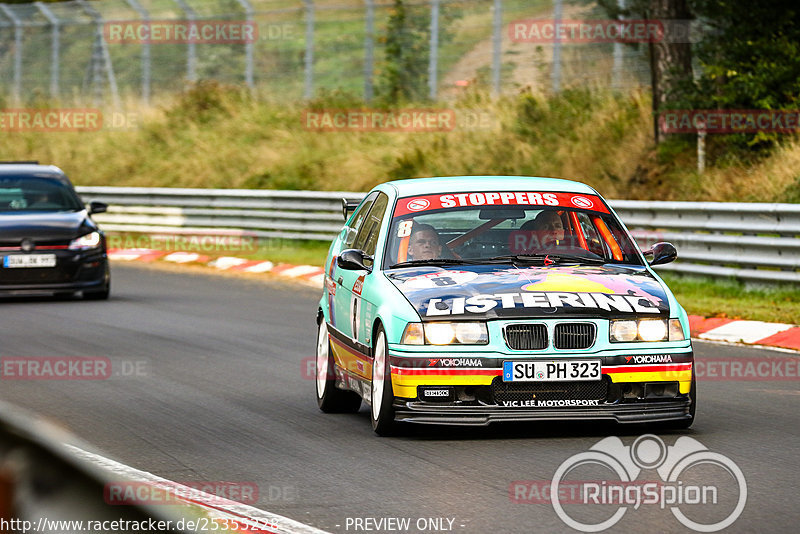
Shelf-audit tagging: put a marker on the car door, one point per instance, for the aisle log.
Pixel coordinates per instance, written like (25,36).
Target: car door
(351,288)
(339,295)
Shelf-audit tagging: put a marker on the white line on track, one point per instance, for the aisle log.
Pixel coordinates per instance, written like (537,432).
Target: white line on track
(214,504)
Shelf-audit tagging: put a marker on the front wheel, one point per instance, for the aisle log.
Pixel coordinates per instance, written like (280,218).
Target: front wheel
(331,399)
(382,412)
(98,295)
(103,292)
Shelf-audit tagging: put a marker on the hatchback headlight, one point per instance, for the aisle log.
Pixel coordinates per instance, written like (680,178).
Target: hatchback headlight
(446,333)
(625,330)
(85,241)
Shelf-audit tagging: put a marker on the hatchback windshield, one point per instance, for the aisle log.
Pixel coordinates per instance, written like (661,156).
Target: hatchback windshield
(507,226)
(29,194)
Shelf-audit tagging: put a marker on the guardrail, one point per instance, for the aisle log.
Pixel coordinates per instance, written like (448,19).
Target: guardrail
(260,213)
(48,485)
(752,242)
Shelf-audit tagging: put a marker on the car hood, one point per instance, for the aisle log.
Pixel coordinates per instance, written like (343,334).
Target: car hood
(492,291)
(45,226)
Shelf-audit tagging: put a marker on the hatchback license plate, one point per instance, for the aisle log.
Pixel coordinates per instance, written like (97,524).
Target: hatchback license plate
(29,260)
(551,371)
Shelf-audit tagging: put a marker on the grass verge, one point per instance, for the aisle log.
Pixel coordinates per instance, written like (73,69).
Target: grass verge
(735,300)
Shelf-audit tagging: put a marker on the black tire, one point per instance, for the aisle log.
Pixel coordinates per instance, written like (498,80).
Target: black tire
(103,294)
(381,409)
(100,294)
(683,424)
(330,399)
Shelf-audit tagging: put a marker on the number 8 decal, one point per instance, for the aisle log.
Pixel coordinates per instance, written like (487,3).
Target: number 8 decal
(404,228)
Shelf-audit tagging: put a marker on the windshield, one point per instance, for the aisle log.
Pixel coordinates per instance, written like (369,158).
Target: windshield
(31,194)
(542,228)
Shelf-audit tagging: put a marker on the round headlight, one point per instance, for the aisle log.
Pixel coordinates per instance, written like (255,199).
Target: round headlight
(623,330)
(469,332)
(439,333)
(652,329)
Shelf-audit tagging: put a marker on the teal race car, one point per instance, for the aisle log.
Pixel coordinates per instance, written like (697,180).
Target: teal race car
(476,299)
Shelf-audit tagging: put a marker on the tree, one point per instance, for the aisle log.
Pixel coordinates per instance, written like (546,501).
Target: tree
(750,57)
(670,57)
(403,75)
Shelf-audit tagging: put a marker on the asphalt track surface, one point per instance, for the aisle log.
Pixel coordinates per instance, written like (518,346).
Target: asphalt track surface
(221,395)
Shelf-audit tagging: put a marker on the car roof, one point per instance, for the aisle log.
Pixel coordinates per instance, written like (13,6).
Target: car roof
(32,169)
(450,184)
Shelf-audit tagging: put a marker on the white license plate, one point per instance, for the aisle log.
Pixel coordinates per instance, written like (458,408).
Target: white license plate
(551,370)
(29,260)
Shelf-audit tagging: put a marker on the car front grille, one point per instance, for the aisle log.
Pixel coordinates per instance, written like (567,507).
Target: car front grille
(574,335)
(526,336)
(548,391)
(50,275)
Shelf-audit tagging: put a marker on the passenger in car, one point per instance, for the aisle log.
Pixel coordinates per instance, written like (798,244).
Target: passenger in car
(547,230)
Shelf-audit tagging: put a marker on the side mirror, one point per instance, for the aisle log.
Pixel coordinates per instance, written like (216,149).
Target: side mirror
(353,259)
(348,206)
(97,207)
(662,253)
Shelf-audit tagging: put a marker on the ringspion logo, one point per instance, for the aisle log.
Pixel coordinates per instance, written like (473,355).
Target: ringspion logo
(692,478)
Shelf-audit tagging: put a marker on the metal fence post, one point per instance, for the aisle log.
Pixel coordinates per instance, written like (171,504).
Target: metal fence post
(369,49)
(309,57)
(100,41)
(701,148)
(191,51)
(556,72)
(17,87)
(616,80)
(433,64)
(497,45)
(248,47)
(54,46)
(136,6)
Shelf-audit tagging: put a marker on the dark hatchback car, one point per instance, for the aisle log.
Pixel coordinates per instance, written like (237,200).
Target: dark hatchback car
(48,241)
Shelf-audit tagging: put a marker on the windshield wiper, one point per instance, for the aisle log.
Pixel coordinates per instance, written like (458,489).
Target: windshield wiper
(547,259)
(434,261)
(517,257)
(572,258)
